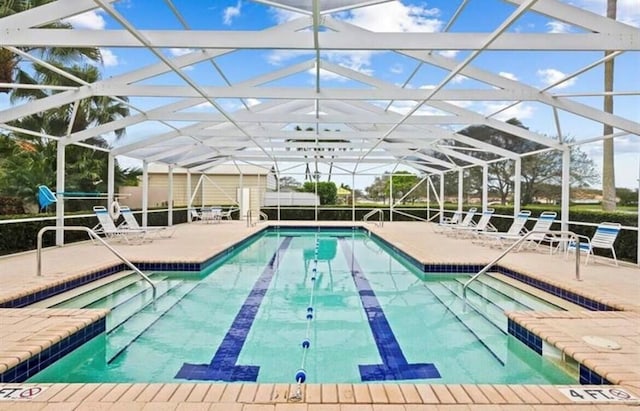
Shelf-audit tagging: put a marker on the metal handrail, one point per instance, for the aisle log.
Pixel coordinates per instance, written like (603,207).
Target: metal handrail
(249,214)
(264,216)
(372,212)
(93,235)
(486,268)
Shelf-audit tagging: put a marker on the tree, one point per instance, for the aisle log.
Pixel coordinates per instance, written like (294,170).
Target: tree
(327,191)
(542,168)
(403,182)
(10,63)
(608,170)
(289,183)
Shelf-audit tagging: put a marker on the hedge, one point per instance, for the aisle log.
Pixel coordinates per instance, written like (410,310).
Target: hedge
(23,236)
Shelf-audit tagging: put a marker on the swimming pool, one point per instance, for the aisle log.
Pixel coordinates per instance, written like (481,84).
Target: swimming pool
(366,314)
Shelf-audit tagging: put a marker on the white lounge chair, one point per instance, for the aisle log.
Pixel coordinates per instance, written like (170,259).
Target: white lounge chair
(516,229)
(467,221)
(194,214)
(542,225)
(130,223)
(108,228)
(482,225)
(604,237)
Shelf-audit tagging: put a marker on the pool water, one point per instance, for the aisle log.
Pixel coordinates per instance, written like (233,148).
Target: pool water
(366,314)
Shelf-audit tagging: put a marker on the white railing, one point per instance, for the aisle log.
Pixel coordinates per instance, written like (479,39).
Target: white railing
(564,234)
(372,213)
(95,236)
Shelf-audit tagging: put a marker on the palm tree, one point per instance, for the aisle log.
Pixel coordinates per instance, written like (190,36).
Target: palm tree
(10,62)
(608,170)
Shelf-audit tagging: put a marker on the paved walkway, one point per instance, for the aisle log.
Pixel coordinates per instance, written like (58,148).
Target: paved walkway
(196,242)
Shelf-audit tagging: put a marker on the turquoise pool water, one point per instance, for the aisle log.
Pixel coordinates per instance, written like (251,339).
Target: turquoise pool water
(366,314)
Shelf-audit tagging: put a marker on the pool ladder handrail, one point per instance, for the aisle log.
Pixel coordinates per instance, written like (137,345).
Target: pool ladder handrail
(262,214)
(95,236)
(564,234)
(371,213)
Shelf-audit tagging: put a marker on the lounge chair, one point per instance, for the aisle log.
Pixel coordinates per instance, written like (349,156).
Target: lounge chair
(130,223)
(542,225)
(604,237)
(108,228)
(516,229)
(467,221)
(483,225)
(195,215)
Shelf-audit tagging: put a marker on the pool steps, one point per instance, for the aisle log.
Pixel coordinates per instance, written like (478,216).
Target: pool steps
(486,331)
(68,295)
(124,335)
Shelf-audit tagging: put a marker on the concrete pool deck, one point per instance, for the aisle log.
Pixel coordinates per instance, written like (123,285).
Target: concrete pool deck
(615,286)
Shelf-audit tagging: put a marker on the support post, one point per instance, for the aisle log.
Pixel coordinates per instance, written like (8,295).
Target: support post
(441,197)
(460,189)
(517,186)
(485,187)
(353,197)
(391,197)
(278,203)
(189,196)
(170,197)
(60,168)
(565,196)
(145,192)
(429,184)
(111,179)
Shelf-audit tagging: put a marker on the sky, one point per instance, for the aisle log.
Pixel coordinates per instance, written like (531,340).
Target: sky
(538,69)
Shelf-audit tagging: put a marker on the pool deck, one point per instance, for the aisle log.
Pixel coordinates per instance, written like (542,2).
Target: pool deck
(25,331)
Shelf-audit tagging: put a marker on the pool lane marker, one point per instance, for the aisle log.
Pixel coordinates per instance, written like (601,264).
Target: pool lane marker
(223,364)
(394,364)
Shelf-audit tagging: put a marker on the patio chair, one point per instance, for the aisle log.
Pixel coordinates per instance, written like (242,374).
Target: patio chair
(604,237)
(516,229)
(108,228)
(543,223)
(211,214)
(467,221)
(130,223)
(195,215)
(483,225)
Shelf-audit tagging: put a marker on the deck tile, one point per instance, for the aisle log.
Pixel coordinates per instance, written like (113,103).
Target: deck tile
(361,393)
(345,393)
(263,393)
(198,393)
(329,393)
(394,394)
(231,392)
(378,394)
(247,392)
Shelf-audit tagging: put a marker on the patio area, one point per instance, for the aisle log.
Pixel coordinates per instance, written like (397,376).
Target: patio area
(26,330)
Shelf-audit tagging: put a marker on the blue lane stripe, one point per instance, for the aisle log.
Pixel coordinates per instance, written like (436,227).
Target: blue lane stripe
(394,364)
(223,365)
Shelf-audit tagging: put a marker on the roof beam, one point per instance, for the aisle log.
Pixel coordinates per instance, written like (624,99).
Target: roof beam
(303,40)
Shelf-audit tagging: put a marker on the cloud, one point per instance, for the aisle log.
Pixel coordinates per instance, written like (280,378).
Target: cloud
(550,76)
(91,20)
(252,102)
(395,17)
(231,12)
(458,78)
(109,59)
(508,75)
(282,16)
(177,52)
(628,10)
(558,27)
(396,69)
(449,53)
(520,111)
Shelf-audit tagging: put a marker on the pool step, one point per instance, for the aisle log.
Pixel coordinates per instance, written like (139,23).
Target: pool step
(128,308)
(119,338)
(534,297)
(488,332)
(67,298)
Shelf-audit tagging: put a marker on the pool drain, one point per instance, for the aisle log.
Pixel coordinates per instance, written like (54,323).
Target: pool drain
(601,342)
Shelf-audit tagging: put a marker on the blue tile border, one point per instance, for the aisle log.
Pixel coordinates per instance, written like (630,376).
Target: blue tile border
(589,377)
(42,360)
(527,337)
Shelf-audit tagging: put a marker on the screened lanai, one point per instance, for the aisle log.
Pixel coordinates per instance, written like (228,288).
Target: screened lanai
(358,87)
